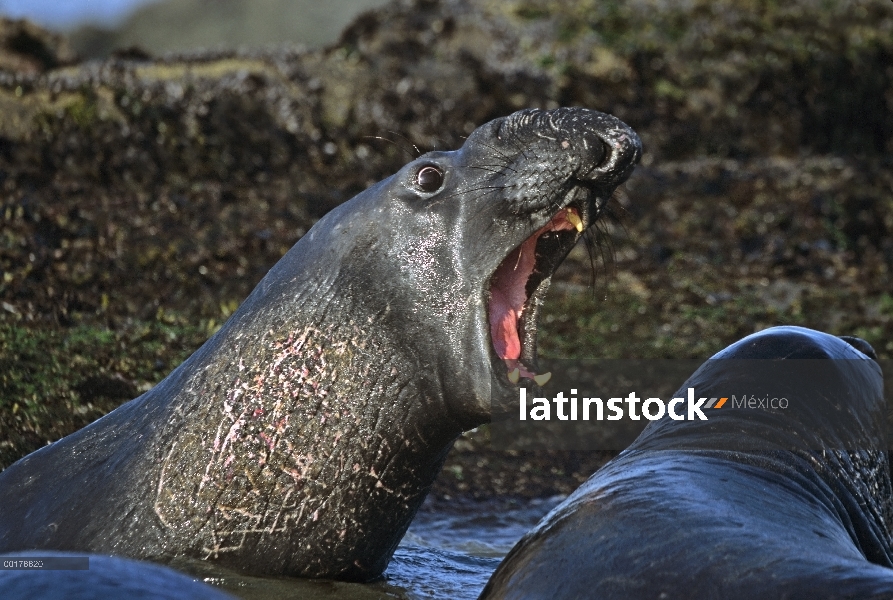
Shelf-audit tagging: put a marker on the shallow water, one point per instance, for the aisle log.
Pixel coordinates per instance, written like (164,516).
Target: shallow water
(449,553)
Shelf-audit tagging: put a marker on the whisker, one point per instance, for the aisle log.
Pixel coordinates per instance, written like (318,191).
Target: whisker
(519,146)
(492,189)
(496,150)
(438,140)
(598,243)
(378,137)
(589,243)
(384,139)
(406,139)
(494,168)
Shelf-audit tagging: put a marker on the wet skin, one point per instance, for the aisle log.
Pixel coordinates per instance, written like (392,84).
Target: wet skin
(303,436)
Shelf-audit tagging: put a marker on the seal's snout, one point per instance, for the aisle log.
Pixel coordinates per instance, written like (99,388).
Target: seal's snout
(560,168)
(622,150)
(860,345)
(601,148)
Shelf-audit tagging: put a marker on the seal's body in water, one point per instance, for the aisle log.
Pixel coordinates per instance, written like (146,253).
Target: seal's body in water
(303,436)
(763,500)
(104,578)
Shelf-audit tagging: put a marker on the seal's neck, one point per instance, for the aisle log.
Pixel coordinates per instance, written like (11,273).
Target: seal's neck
(292,432)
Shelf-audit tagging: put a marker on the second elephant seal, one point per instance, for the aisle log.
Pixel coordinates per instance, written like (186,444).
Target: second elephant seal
(765,499)
(303,436)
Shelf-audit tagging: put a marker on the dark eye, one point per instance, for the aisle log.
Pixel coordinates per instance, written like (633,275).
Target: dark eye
(429,179)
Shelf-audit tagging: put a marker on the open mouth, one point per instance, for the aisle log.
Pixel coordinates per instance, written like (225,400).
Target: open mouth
(517,289)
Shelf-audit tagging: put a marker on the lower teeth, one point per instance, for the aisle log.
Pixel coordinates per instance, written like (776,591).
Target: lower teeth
(541,379)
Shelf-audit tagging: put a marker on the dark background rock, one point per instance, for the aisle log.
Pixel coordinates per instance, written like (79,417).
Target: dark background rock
(26,48)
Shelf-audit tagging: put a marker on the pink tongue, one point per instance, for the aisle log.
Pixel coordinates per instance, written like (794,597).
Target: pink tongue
(508,294)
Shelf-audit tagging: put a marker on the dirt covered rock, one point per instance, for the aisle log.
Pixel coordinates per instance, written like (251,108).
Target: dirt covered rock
(27,48)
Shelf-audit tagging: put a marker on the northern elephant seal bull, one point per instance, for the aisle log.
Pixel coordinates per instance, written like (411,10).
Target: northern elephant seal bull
(303,436)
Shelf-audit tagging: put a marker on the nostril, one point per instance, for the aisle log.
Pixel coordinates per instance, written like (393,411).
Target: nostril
(605,154)
(599,161)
